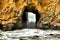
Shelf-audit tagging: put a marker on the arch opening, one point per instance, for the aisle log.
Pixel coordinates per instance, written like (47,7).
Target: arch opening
(33,20)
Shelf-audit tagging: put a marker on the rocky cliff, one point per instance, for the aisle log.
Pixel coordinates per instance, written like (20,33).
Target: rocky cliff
(11,12)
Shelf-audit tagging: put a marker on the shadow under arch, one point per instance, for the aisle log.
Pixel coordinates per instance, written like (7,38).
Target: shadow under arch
(32,9)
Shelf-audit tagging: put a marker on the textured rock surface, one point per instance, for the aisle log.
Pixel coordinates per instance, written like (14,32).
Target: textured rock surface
(11,12)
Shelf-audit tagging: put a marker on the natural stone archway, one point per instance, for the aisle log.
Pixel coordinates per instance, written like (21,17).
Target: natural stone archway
(30,8)
(45,8)
(12,10)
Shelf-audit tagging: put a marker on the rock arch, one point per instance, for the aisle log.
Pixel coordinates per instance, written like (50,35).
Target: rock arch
(12,10)
(31,8)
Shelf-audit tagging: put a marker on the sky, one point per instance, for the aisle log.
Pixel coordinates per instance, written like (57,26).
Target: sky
(31,17)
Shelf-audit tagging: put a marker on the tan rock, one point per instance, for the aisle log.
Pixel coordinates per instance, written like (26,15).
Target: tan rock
(11,10)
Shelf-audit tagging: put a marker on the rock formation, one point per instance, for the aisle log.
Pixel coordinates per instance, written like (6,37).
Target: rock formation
(11,12)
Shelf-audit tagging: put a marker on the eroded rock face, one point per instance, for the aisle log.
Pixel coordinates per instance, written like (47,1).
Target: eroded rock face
(11,12)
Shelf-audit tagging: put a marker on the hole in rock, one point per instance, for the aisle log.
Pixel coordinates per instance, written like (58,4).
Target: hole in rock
(30,17)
